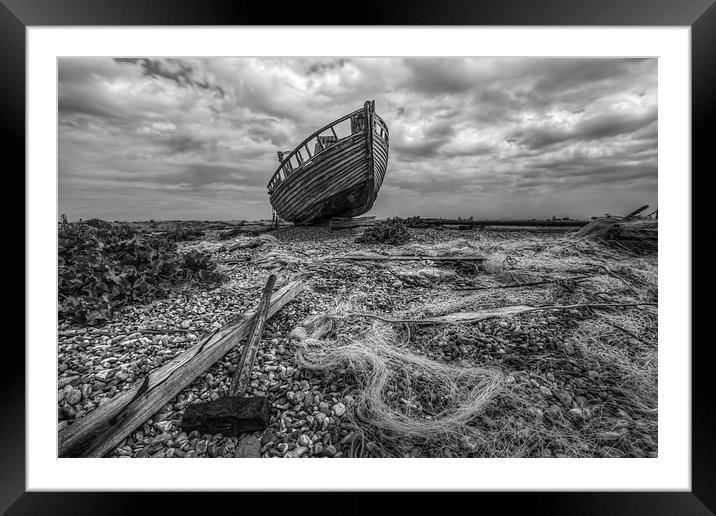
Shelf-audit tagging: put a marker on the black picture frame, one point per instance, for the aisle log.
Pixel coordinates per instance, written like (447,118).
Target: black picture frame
(700,15)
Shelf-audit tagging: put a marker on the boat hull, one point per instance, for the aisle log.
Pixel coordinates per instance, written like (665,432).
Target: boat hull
(341,181)
(341,178)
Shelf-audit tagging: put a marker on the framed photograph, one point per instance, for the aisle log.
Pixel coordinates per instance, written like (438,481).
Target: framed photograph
(421,253)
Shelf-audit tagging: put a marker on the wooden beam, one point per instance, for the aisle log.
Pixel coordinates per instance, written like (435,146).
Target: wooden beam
(403,258)
(637,212)
(242,376)
(100,431)
(348,223)
(494,222)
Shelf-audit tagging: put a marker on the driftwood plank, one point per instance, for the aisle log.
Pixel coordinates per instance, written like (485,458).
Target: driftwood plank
(242,377)
(496,222)
(348,223)
(504,311)
(404,258)
(101,430)
(637,211)
(360,222)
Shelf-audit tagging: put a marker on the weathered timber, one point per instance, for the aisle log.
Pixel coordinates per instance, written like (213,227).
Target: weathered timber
(100,431)
(242,376)
(637,211)
(230,415)
(404,258)
(504,311)
(348,223)
(497,222)
(462,224)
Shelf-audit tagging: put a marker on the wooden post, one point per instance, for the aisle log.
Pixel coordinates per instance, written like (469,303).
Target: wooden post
(242,376)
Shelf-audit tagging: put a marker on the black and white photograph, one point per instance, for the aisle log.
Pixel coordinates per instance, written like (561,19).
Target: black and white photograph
(357,257)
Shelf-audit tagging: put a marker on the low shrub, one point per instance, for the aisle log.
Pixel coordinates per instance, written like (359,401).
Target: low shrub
(103,266)
(392,231)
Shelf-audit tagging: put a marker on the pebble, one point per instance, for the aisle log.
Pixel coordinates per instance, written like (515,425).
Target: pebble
(73,396)
(298,451)
(339,409)
(67,380)
(564,397)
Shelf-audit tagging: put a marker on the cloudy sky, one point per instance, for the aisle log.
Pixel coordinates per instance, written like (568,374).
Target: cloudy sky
(195,138)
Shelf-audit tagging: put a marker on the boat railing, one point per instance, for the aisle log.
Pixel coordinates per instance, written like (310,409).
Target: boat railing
(286,166)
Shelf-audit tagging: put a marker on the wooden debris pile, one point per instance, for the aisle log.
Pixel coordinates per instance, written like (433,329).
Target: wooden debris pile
(635,235)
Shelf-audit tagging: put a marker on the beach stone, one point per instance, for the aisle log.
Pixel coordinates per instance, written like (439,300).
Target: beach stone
(298,451)
(248,447)
(304,440)
(553,413)
(102,375)
(564,397)
(67,380)
(73,396)
(163,426)
(298,333)
(268,437)
(339,409)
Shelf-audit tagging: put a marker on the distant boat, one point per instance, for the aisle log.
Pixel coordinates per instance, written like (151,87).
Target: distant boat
(340,178)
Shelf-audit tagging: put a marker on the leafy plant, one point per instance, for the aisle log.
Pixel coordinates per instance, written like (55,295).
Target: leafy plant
(392,231)
(103,266)
(414,222)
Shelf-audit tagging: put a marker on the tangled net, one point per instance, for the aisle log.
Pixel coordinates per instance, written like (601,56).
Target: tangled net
(405,394)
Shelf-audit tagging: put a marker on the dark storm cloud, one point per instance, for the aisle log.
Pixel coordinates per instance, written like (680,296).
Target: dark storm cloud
(323,66)
(587,129)
(173,69)
(439,76)
(197,138)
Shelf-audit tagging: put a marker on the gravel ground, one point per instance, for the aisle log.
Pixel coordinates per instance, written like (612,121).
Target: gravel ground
(574,376)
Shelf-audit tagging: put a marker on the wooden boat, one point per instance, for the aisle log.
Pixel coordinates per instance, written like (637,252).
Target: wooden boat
(340,178)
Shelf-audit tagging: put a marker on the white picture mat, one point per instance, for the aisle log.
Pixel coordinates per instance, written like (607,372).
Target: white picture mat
(670,471)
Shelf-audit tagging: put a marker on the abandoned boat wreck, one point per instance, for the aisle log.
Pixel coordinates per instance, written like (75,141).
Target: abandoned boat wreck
(340,178)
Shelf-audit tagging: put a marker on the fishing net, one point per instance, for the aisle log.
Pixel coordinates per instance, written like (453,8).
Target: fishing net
(399,391)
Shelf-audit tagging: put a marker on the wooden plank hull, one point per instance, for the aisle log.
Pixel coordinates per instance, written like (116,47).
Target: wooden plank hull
(341,181)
